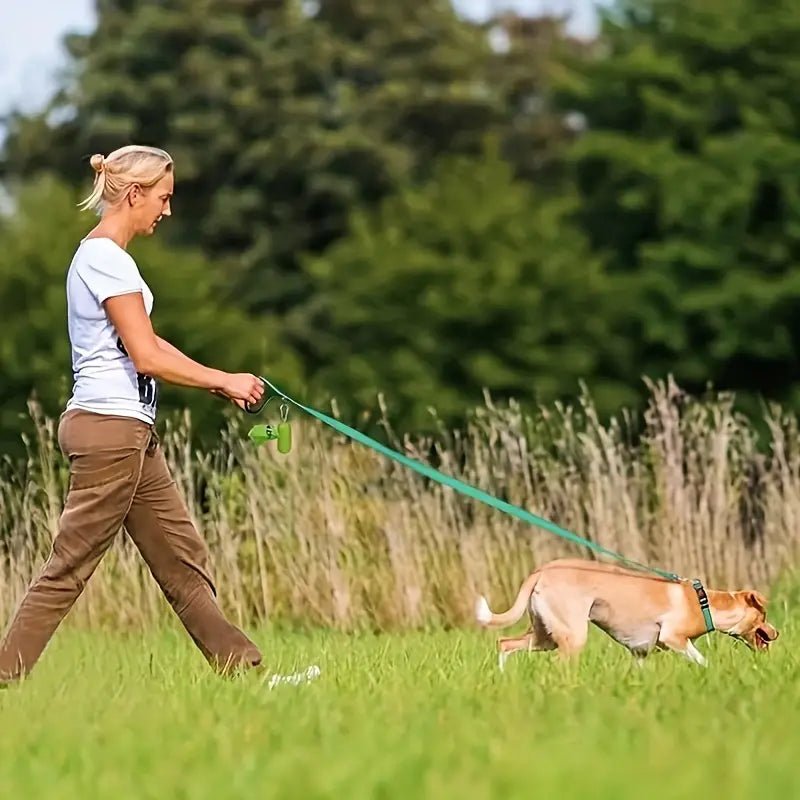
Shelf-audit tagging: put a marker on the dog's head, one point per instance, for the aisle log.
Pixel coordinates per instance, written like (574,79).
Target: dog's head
(752,628)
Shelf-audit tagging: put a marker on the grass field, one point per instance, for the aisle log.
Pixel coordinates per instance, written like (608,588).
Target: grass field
(402,715)
(338,540)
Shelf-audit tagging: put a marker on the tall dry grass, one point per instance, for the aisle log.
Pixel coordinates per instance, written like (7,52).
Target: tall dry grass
(336,535)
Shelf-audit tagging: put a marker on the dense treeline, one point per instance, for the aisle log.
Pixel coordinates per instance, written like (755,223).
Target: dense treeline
(388,198)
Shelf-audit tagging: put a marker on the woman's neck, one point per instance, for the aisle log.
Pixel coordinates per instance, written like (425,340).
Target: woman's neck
(115,228)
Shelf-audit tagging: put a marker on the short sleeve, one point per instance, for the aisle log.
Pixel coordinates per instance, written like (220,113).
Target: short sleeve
(107,270)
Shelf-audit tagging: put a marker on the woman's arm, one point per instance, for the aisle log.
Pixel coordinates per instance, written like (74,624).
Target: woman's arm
(165,345)
(156,357)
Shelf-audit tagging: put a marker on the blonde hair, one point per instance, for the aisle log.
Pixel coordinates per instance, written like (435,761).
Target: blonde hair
(118,171)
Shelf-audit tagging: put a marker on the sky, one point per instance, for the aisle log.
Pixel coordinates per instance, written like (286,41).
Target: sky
(31,31)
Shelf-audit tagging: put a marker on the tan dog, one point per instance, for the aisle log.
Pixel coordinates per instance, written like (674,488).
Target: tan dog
(642,612)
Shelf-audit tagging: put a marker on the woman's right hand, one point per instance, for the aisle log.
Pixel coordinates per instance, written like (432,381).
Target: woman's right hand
(242,387)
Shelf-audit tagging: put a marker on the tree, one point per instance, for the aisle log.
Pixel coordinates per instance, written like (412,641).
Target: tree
(688,182)
(529,53)
(282,115)
(467,282)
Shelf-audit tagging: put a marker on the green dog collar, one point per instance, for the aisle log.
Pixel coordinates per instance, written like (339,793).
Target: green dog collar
(704,604)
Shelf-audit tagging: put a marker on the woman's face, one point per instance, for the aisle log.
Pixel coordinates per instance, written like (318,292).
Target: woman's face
(150,205)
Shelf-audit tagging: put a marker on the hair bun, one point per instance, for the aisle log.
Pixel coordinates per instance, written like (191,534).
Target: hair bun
(97,161)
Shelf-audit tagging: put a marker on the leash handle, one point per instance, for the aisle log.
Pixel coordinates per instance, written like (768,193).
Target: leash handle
(258,407)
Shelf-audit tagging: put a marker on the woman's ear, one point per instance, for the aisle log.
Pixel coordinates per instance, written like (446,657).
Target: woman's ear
(134,194)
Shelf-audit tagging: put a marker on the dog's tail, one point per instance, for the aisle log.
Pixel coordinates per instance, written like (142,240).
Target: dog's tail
(485,616)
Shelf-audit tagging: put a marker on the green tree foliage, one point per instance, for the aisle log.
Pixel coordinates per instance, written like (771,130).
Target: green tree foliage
(641,219)
(688,181)
(284,116)
(524,72)
(281,115)
(465,283)
(37,242)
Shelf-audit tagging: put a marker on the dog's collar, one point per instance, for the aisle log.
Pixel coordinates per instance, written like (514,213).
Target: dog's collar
(705,606)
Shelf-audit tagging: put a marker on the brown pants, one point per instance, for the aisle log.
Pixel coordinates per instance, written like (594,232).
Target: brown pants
(119,476)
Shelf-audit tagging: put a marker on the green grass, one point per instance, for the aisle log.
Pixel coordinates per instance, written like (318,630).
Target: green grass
(419,715)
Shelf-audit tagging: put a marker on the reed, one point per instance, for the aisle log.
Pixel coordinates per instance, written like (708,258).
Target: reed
(335,535)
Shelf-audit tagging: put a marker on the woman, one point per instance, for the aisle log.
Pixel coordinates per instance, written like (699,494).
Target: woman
(118,473)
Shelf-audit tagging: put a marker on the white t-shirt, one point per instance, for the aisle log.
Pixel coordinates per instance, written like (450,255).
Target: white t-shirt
(105,380)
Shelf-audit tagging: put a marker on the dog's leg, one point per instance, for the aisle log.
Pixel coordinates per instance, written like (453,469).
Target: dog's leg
(567,624)
(571,644)
(535,639)
(693,654)
(686,648)
(507,645)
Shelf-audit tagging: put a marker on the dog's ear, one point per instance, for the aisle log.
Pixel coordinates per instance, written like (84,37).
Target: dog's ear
(756,599)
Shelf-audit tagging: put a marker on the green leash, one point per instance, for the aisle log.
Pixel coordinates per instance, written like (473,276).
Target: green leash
(478,494)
